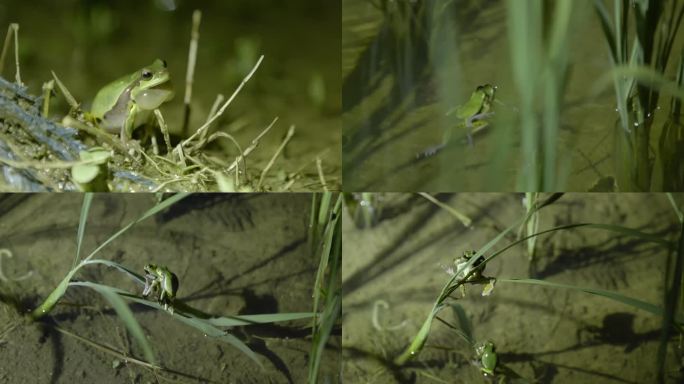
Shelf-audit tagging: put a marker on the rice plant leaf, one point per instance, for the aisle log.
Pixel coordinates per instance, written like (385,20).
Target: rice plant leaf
(331,229)
(54,296)
(609,227)
(636,303)
(126,316)
(321,337)
(675,207)
(211,331)
(131,273)
(607,27)
(643,75)
(219,321)
(465,220)
(85,208)
(155,209)
(420,338)
(234,321)
(463,322)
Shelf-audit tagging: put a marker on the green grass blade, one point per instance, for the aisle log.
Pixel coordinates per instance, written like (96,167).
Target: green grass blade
(234,321)
(211,331)
(321,337)
(632,302)
(643,75)
(675,207)
(126,316)
(465,220)
(157,208)
(327,284)
(131,273)
(607,27)
(609,227)
(85,208)
(420,338)
(327,244)
(463,322)
(46,306)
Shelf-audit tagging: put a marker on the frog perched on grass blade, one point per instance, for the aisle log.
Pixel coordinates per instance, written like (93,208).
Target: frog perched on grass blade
(127,103)
(159,278)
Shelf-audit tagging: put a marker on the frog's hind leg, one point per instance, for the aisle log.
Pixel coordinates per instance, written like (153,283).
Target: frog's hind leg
(433,150)
(430,151)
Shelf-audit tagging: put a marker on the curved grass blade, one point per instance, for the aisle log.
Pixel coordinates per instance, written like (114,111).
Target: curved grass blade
(131,273)
(122,310)
(678,211)
(211,331)
(85,208)
(461,217)
(464,323)
(636,303)
(609,227)
(235,321)
(420,338)
(643,75)
(152,211)
(52,299)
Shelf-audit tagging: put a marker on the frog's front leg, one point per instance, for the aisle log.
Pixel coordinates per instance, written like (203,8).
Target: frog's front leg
(151,281)
(127,127)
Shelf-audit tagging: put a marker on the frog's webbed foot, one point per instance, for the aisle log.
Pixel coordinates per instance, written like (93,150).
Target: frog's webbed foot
(167,303)
(429,152)
(168,307)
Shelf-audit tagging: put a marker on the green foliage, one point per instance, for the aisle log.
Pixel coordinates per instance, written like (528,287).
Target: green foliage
(639,79)
(326,236)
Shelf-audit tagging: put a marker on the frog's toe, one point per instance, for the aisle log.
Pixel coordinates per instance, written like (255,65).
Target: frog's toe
(429,152)
(470,140)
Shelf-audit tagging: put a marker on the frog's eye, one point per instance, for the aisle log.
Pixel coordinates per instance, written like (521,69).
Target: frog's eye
(164,63)
(146,74)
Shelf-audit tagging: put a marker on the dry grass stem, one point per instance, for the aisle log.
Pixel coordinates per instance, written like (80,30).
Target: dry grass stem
(290,133)
(321,175)
(190,74)
(252,146)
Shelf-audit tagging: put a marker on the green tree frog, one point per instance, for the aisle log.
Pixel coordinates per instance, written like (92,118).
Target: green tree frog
(460,265)
(476,107)
(127,103)
(469,115)
(159,278)
(487,355)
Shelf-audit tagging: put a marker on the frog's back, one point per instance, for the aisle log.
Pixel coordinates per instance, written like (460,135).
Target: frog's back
(106,97)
